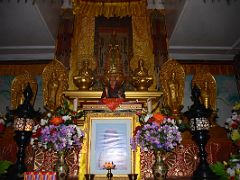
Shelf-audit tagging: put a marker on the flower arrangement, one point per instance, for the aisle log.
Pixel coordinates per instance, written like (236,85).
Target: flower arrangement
(230,169)
(227,170)
(156,132)
(232,125)
(58,131)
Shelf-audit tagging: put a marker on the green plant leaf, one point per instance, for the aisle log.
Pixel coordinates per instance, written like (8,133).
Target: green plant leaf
(219,169)
(4,165)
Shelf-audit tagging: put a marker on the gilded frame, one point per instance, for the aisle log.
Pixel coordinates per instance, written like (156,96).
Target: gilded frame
(99,122)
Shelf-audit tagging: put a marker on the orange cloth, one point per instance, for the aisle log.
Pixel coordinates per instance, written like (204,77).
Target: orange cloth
(112,103)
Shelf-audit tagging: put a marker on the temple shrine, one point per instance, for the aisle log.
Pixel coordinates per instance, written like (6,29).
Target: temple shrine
(118,65)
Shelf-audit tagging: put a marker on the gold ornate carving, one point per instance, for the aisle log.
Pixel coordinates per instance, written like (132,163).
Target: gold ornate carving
(172,78)
(18,85)
(55,81)
(207,84)
(141,80)
(142,45)
(84,79)
(82,46)
(94,96)
(109,9)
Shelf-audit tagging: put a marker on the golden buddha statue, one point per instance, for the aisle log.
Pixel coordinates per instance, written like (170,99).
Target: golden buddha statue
(172,78)
(204,95)
(18,86)
(173,91)
(52,86)
(207,84)
(141,80)
(55,80)
(113,66)
(84,80)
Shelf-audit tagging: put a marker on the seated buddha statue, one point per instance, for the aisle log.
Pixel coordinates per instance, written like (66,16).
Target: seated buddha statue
(84,80)
(141,80)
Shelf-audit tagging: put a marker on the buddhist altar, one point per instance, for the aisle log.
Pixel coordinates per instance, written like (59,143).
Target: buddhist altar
(115,71)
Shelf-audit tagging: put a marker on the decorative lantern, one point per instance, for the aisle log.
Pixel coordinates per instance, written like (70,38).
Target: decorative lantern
(199,124)
(24,117)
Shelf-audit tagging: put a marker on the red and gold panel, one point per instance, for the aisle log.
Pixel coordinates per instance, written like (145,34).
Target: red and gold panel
(184,160)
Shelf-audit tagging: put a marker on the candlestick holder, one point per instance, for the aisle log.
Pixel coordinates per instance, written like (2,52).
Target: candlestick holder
(109,166)
(132,176)
(24,117)
(109,173)
(199,125)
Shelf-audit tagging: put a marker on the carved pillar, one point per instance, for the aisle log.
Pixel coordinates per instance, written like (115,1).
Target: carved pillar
(64,38)
(82,45)
(159,39)
(142,45)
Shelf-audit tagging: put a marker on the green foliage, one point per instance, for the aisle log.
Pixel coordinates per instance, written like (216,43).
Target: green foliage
(4,165)
(67,110)
(220,170)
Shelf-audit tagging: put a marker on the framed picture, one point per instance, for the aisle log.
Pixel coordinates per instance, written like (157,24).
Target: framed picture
(109,141)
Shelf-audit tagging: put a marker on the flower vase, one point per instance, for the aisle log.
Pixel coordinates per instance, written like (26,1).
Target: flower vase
(61,167)
(159,167)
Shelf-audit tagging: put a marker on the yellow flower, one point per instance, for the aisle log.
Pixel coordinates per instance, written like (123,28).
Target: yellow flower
(236,106)
(225,163)
(235,135)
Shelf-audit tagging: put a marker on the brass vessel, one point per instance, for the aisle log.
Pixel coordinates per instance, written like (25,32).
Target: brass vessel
(84,80)
(141,80)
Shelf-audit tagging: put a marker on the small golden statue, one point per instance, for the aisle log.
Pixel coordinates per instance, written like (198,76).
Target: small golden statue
(55,81)
(113,63)
(172,77)
(18,86)
(141,80)
(207,84)
(84,80)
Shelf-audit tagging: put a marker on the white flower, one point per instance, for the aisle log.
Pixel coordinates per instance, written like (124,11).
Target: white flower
(35,128)
(31,141)
(145,149)
(43,122)
(45,146)
(67,117)
(70,142)
(2,121)
(49,115)
(234,115)
(147,117)
(80,133)
(69,134)
(231,171)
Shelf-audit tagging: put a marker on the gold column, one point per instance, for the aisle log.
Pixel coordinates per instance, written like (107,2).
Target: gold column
(142,45)
(82,45)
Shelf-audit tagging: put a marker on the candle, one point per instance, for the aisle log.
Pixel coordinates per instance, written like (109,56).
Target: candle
(75,104)
(149,105)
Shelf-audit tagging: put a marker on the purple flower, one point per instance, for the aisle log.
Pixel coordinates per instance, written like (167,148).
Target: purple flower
(152,136)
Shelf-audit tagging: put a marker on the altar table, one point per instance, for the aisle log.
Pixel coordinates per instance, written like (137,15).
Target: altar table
(181,162)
